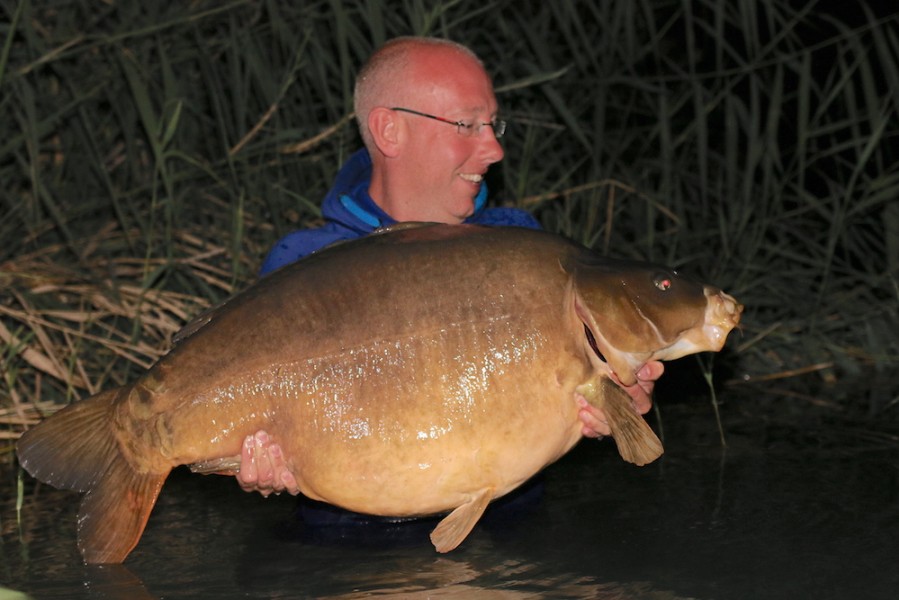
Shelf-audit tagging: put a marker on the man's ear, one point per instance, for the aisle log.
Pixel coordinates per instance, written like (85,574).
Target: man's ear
(386,130)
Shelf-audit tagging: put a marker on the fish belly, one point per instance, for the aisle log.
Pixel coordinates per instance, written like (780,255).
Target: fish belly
(410,426)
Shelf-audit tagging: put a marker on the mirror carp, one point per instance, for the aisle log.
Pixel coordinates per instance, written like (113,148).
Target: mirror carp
(424,370)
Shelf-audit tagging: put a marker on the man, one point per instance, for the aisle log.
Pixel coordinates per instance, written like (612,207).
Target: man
(428,117)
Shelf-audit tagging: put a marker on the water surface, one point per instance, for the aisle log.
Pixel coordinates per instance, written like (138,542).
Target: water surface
(782,513)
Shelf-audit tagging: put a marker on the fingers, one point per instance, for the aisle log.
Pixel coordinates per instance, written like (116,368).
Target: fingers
(278,476)
(248,476)
(288,482)
(641,392)
(641,396)
(265,457)
(595,423)
(263,468)
(651,371)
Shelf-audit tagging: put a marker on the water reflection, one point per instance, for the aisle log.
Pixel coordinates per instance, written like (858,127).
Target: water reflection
(791,515)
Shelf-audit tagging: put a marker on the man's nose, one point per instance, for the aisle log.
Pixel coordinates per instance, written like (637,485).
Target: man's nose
(489,147)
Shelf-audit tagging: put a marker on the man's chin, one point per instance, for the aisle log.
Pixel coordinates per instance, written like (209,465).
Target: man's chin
(466,210)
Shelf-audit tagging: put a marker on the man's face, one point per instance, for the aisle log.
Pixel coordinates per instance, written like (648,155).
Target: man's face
(442,169)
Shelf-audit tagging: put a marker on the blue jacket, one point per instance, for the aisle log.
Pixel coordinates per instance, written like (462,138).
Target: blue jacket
(349,213)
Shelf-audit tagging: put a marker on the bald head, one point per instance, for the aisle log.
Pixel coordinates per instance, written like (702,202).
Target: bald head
(394,74)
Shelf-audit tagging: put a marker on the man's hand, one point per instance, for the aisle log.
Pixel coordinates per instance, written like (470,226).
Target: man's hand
(596,424)
(262,467)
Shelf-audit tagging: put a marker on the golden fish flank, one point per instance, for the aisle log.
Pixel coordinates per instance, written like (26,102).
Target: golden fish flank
(424,370)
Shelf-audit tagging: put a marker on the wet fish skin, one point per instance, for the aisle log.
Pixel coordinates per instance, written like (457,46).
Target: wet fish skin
(422,370)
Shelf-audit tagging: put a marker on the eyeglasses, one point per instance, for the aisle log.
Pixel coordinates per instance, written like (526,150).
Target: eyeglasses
(464,128)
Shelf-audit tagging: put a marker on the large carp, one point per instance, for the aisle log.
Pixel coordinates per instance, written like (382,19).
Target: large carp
(419,371)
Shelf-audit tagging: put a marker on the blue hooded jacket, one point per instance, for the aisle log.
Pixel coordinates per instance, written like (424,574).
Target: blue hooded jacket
(349,213)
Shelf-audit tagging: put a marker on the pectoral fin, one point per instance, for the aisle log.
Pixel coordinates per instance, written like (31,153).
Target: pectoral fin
(450,532)
(637,442)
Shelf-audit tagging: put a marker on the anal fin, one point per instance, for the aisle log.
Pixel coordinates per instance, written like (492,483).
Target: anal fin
(456,526)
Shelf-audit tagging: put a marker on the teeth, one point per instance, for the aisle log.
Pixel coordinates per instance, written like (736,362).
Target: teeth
(472,178)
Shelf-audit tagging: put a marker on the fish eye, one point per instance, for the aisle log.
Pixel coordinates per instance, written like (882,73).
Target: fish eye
(663,282)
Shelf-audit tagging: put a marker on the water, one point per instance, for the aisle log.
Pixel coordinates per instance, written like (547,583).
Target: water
(783,513)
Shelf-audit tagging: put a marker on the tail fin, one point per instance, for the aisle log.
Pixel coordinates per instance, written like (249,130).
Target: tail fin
(77,449)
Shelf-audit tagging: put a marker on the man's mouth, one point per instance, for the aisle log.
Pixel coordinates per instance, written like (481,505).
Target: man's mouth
(472,177)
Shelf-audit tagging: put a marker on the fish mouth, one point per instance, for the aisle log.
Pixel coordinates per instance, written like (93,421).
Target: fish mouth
(722,314)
